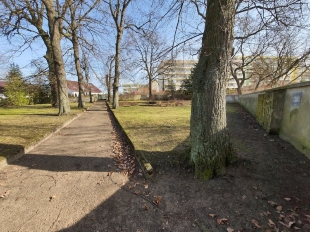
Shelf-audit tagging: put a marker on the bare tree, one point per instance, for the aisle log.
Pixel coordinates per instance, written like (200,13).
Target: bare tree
(15,24)
(86,68)
(211,149)
(275,36)
(118,11)
(78,13)
(55,14)
(151,50)
(109,77)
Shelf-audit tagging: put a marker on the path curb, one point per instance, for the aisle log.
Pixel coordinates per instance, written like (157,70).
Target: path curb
(142,160)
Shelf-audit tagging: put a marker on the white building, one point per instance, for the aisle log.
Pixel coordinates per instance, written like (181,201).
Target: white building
(174,71)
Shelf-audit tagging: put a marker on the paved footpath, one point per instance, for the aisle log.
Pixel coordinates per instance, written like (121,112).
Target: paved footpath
(62,184)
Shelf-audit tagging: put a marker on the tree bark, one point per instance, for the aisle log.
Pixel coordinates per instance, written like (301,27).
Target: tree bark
(54,23)
(150,88)
(119,36)
(75,44)
(51,76)
(211,147)
(118,15)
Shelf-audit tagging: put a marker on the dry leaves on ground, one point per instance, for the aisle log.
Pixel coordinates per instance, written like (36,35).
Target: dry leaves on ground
(255,223)
(272,203)
(124,158)
(222,221)
(157,200)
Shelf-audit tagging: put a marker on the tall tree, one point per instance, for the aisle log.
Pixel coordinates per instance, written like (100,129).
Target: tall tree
(277,37)
(55,14)
(15,23)
(151,50)
(118,11)
(211,148)
(78,13)
(109,77)
(85,66)
(15,88)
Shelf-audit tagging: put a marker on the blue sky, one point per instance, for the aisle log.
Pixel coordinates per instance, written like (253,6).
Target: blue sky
(187,25)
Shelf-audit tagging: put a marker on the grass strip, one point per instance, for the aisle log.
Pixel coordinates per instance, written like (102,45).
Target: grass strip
(156,132)
(23,126)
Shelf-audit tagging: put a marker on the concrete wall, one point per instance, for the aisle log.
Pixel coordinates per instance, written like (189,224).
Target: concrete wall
(249,101)
(232,98)
(295,126)
(295,120)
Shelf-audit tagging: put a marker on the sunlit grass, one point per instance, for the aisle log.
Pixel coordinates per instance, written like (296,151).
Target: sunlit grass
(158,132)
(155,128)
(25,125)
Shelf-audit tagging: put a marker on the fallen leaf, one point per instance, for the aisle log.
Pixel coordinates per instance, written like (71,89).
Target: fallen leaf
(222,221)
(146,185)
(282,223)
(157,200)
(255,223)
(287,198)
(137,192)
(212,215)
(110,174)
(271,223)
(279,208)
(290,224)
(307,216)
(281,216)
(272,203)
(230,229)
(145,207)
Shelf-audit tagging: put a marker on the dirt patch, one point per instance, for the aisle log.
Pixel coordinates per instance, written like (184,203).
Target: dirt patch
(267,189)
(73,182)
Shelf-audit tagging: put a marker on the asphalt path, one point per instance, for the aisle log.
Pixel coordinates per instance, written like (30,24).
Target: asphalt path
(63,184)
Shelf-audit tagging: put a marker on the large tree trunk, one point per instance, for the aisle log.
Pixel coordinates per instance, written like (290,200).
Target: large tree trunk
(211,147)
(51,77)
(51,67)
(76,55)
(54,22)
(150,87)
(119,36)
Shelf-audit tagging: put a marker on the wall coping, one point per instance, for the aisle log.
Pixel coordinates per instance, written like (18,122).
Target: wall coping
(292,86)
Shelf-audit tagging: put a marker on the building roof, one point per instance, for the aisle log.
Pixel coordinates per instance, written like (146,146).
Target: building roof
(74,87)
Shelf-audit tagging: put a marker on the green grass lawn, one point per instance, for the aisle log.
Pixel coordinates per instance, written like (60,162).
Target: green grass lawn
(155,128)
(25,125)
(158,132)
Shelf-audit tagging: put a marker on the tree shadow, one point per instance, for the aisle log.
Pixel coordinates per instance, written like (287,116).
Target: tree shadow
(44,114)
(12,149)
(65,163)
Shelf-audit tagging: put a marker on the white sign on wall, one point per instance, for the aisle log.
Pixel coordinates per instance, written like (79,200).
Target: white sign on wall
(296,99)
